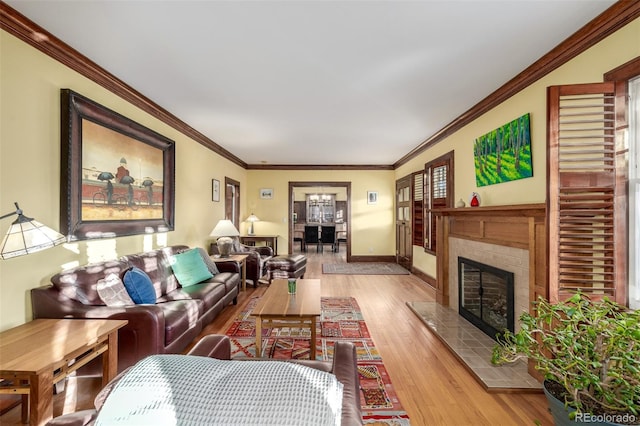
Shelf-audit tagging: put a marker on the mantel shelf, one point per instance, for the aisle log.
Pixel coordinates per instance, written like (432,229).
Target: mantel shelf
(508,210)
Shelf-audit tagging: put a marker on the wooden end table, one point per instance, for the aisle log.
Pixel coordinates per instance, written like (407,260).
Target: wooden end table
(240,259)
(38,354)
(278,308)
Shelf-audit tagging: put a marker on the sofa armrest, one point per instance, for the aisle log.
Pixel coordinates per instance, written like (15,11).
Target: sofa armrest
(228,266)
(213,346)
(345,368)
(262,250)
(79,418)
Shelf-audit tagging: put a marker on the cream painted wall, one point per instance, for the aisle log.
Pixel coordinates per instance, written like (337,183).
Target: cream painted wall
(372,230)
(588,67)
(30,84)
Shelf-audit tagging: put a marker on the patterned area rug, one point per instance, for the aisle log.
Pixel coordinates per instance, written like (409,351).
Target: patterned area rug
(341,319)
(364,268)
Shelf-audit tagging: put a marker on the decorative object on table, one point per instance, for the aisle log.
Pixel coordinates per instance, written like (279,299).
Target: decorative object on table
(266,193)
(224,231)
(252,219)
(504,154)
(291,283)
(372,197)
(26,235)
(475,200)
(588,352)
(215,190)
(105,160)
(460,203)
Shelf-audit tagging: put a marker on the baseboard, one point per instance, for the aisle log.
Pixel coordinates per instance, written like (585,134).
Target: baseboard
(424,277)
(373,259)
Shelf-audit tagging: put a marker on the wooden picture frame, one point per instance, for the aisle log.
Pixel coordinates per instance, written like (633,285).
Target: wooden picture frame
(215,190)
(99,146)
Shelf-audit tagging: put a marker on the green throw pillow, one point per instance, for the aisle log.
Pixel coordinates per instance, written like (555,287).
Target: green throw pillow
(189,268)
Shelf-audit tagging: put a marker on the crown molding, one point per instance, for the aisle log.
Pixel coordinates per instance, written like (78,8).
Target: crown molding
(318,167)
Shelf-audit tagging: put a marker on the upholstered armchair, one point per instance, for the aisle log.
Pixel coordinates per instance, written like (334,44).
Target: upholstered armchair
(256,262)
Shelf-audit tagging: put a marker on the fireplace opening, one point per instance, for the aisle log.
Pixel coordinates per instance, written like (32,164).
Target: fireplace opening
(485,296)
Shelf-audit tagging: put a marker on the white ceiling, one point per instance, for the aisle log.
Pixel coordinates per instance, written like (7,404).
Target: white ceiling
(314,82)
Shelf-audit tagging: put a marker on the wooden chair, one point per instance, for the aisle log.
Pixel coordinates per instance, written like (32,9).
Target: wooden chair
(311,236)
(328,236)
(341,235)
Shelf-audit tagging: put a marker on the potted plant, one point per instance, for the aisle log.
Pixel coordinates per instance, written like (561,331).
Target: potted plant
(589,354)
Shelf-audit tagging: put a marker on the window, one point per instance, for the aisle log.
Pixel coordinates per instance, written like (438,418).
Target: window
(417,228)
(438,194)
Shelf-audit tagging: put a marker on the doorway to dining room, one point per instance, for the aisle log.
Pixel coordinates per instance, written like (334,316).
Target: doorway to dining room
(318,204)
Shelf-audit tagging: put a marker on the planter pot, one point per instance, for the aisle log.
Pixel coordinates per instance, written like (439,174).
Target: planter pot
(561,414)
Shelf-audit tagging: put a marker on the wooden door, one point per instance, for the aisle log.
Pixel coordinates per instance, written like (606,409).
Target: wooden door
(404,240)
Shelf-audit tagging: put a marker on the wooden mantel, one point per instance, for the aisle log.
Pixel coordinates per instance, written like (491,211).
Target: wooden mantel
(518,225)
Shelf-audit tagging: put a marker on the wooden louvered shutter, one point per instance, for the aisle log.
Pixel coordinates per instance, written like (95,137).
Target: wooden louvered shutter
(587,248)
(418,209)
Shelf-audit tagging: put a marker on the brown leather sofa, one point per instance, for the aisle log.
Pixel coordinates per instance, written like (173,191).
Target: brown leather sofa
(256,262)
(168,326)
(344,367)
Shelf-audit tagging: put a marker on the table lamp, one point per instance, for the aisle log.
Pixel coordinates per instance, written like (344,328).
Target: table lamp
(26,235)
(223,231)
(251,219)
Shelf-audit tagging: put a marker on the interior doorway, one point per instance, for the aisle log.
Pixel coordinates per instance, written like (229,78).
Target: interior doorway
(339,217)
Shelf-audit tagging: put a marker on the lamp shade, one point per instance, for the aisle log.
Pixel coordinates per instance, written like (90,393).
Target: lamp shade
(251,219)
(224,228)
(26,235)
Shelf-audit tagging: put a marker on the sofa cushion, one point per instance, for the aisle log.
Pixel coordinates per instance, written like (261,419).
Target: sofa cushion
(189,268)
(113,292)
(211,265)
(157,265)
(209,293)
(81,283)
(179,317)
(139,286)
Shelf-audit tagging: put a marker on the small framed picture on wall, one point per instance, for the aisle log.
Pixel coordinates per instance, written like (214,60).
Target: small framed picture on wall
(266,193)
(215,189)
(372,197)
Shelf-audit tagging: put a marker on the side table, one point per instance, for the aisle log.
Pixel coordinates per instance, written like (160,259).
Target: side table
(241,259)
(269,240)
(36,355)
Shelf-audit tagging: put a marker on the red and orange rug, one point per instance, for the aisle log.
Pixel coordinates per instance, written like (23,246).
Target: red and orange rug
(341,319)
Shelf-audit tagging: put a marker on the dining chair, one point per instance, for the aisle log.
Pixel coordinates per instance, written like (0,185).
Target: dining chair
(311,236)
(328,236)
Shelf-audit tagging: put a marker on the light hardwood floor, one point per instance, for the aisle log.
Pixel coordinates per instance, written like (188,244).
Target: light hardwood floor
(432,385)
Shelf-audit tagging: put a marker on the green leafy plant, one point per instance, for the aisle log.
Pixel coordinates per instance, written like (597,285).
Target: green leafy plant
(591,349)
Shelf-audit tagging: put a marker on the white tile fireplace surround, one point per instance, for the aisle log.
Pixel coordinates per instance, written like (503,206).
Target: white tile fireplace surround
(510,259)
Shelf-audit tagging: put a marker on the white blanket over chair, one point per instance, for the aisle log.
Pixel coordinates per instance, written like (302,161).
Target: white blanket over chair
(192,390)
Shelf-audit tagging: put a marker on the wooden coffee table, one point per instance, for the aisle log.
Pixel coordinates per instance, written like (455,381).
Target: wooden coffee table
(278,308)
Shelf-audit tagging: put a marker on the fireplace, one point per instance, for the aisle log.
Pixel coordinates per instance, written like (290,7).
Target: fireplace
(485,296)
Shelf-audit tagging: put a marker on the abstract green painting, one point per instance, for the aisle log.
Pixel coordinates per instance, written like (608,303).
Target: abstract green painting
(504,154)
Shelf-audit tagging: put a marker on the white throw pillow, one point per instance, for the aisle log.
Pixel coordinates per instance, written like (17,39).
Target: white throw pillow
(113,292)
